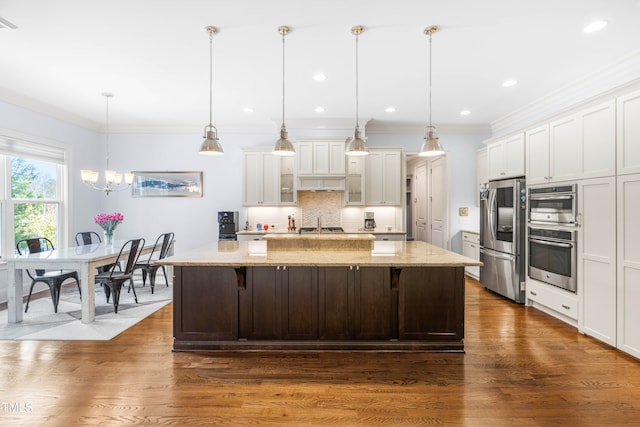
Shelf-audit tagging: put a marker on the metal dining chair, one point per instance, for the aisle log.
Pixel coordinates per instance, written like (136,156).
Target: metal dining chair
(150,266)
(113,280)
(54,278)
(90,238)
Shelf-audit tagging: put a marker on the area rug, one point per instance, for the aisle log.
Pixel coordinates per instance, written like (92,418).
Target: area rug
(41,323)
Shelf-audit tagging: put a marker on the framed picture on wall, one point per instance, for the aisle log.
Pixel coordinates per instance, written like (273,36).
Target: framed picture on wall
(167,184)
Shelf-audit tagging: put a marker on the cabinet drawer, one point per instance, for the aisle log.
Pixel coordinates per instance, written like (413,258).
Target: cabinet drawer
(551,297)
(470,237)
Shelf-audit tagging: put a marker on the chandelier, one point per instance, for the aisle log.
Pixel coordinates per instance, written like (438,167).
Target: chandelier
(113,179)
(431,146)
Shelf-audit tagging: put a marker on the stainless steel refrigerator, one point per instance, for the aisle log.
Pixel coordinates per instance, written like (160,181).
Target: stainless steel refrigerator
(502,237)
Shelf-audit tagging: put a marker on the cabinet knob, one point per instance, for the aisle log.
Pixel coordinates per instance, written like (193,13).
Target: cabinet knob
(533,293)
(566,307)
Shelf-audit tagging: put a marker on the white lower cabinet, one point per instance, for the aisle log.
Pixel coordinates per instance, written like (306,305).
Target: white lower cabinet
(628,263)
(552,300)
(596,270)
(392,237)
(471,249)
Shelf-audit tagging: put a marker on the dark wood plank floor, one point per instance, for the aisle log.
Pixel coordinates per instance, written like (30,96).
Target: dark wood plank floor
(521,367)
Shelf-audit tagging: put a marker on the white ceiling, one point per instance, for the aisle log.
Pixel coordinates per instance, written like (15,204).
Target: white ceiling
(154,56)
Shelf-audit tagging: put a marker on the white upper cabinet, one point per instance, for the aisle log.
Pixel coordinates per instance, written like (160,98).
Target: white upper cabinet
(598,137)
(267,180)
(628,131)
(324,158)
(383,172)
(575,147)
(537,145)
(506,157)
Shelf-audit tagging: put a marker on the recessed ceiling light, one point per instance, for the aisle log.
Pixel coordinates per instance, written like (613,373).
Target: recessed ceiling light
(465,112)
(595,26)
(248,110)
(390,109)
(509,83)
(319,77)
(319,110)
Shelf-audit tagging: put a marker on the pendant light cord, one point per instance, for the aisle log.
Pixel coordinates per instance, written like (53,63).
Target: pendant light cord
(357,121)
(283,34)
(430,80)
(211,78)
(107,121)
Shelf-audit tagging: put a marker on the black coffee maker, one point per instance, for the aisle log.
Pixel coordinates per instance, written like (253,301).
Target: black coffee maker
(369,221)
(227,225)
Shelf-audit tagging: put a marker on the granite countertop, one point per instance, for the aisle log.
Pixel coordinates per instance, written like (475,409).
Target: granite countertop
(254,253)
(347,231)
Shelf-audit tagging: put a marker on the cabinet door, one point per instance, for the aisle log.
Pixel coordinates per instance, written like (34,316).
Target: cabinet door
(260,309)
(335,296)
(337,159)
(372,308)
(565,149)
(252,179)
(628,202)
(628,133)
(299,290)
(496,161)
(205,305)
(597,259)
(598,137)
(514,155)
(321,158)
(537,145)
(374,190)
(305,158)
(354,194)
(270,179)
(392,180)
(432,297)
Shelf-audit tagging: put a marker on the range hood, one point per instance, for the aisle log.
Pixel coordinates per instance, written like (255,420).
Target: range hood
(321,183)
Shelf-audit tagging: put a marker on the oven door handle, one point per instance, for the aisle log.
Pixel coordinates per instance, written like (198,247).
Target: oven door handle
(548,243)
(551,197)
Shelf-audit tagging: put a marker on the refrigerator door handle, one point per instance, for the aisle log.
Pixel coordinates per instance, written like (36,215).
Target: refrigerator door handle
(495,254)
(493,210)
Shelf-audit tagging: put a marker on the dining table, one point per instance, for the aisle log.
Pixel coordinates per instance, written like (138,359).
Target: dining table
(84,259)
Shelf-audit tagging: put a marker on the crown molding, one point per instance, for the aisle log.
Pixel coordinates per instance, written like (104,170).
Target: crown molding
(606,81)
(412,128)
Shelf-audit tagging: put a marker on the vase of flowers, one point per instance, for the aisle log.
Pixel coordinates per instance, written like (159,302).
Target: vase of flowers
(108,223)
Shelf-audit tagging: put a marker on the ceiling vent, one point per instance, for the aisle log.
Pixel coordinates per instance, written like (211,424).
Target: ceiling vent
(6,24)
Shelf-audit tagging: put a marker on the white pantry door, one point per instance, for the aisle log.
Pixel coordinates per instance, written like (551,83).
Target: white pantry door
(437,193)
(420,201)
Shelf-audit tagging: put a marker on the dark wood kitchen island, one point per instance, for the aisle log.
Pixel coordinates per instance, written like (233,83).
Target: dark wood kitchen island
(393,296)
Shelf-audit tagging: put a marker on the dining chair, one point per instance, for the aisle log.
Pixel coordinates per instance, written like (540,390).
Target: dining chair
(90,238)
(113,280)
(54,278)
(150,266)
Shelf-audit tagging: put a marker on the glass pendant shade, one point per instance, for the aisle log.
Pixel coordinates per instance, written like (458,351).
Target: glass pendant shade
(211,145)
(356,146)
(431,146)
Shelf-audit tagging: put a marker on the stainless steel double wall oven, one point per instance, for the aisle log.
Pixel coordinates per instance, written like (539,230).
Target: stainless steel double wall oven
(553,221)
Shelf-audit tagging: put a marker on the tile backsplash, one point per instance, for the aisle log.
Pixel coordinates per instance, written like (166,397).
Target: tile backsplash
(329,205)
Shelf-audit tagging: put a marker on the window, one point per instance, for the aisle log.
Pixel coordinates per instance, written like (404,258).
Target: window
(31,196)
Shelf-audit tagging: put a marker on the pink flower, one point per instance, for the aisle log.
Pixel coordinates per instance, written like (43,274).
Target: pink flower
(109,222)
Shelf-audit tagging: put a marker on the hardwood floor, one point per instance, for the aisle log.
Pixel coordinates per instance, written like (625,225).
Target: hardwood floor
(521,367)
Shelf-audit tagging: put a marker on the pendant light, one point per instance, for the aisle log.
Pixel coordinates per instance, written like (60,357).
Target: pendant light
(112,178)
(356,146)
(283,147)
(211,144)
(431,146)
